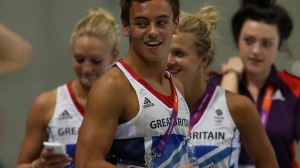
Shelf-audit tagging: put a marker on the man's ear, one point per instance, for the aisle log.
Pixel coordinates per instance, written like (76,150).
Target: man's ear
(125,26)
(176,25)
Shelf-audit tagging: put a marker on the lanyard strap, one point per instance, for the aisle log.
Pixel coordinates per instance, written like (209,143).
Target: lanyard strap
(162,143)
(266,106)
(205,99)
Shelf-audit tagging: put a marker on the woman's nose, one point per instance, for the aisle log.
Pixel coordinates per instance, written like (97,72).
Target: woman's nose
(256,48)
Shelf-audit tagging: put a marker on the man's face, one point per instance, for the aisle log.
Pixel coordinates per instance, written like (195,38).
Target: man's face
(150,29)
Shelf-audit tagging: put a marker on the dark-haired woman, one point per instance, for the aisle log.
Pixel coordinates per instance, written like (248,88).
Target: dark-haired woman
(260,29)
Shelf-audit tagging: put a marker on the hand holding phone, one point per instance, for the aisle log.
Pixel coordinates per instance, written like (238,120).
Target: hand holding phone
(55,147)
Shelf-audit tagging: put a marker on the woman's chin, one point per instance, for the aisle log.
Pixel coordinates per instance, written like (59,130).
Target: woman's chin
(87,83)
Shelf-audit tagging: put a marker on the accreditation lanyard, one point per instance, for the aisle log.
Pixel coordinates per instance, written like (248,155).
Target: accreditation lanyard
(266,106)
(205,99)
(162,143)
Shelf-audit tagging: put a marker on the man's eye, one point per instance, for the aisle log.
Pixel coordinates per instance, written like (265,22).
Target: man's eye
(162,22)
(141,24)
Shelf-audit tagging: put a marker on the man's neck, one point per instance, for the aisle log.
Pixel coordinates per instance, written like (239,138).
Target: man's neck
(152,72)
(149,70)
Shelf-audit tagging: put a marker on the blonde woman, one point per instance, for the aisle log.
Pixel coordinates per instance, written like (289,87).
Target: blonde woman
(56,115)
(219,119)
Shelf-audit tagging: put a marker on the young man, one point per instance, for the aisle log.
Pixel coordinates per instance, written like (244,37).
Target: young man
(135,116)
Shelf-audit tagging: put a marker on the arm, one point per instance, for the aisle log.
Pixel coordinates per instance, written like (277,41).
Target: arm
(252,133)
(32,153)
(105,106)
(15,52)
(231,72)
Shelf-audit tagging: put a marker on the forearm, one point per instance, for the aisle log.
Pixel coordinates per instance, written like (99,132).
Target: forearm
(15,51)
(230,81)
(231,71)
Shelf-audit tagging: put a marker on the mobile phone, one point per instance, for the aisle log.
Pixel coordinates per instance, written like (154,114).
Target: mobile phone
(56,148)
